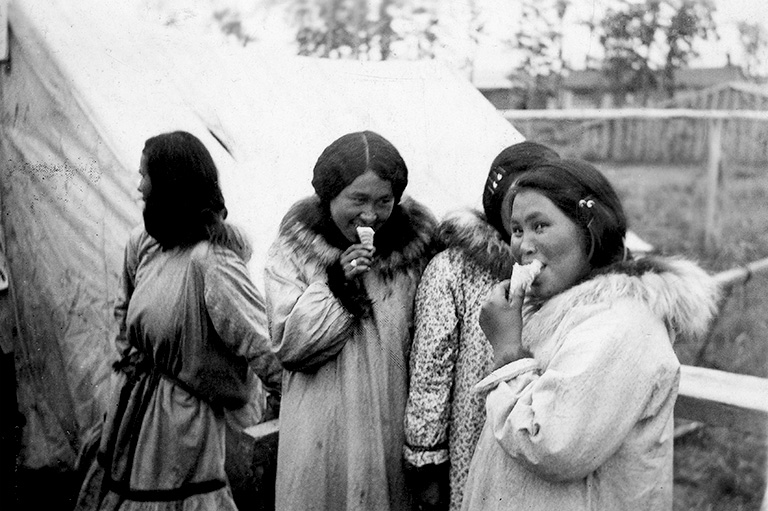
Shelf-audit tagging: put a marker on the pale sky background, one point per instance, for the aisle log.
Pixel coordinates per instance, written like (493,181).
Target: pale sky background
(492,59)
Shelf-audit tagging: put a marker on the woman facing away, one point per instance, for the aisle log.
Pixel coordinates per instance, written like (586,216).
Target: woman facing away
(450,353)
(192,329)
(340,312)
(580,407)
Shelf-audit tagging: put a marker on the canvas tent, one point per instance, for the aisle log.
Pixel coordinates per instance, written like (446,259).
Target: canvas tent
(86,84)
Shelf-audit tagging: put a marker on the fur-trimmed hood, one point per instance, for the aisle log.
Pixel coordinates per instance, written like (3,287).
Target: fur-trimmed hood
(676,290)
(404,244)
(468,231)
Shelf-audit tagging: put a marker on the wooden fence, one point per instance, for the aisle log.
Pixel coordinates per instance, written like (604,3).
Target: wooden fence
(615,142)
(647,135)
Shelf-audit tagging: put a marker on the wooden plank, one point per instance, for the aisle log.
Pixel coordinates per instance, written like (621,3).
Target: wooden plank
(263,430)
(742,274)
(713,182)
(251,465)
(719,398)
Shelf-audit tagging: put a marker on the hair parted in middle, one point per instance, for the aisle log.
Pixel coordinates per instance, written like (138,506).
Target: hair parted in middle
(185,204)
(585,196)
(351,156)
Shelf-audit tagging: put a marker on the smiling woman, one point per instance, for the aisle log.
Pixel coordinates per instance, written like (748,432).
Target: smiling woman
(340,313)
(580,408)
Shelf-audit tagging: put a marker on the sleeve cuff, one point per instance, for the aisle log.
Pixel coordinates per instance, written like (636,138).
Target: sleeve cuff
(506,373)
(421,457)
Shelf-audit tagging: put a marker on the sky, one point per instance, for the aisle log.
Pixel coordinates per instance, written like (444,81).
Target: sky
(492,59)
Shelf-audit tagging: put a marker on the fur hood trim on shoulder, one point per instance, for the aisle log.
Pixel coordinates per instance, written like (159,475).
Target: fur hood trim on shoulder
(409,242)
(469,232)
(678,291)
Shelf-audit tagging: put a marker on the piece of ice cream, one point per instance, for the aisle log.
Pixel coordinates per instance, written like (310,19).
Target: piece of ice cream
(523,275)
(365,234)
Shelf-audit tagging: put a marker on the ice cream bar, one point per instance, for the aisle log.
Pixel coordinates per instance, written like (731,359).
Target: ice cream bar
(524,275)
(366,235)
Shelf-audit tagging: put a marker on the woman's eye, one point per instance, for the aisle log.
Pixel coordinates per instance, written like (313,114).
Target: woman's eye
(539,228)
(517,232)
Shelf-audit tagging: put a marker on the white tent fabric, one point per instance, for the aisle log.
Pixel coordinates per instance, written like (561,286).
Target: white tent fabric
(87,84)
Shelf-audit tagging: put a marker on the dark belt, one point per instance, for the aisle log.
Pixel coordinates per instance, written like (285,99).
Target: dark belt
(134,366)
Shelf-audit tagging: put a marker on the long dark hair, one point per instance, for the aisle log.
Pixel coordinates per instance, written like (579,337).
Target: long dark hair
(585,196)
(185,204)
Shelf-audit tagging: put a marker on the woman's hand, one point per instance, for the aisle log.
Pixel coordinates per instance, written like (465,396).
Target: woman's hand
(356,260)
(502,323)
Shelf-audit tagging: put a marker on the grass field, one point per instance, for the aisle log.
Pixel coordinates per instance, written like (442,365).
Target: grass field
(715,469)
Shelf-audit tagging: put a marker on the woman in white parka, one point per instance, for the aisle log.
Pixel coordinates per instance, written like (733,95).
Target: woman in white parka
(340,315)
(580,406)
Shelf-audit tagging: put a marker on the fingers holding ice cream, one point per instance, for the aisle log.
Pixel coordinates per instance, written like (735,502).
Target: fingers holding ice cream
(357,259)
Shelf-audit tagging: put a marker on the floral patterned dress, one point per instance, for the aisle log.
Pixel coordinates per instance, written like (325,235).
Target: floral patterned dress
(450,354)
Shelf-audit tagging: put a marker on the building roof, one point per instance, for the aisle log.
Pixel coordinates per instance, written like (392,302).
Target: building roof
(702,77)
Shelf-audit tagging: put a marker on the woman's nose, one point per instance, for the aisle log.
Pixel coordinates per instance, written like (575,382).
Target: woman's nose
(526,245)
(368,214)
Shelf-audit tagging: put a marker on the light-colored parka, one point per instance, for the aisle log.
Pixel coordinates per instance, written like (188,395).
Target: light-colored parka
(191,322)
(587,422)
(345,357)
(450,353)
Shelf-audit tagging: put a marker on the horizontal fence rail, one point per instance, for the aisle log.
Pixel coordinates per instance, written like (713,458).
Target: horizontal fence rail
(720,398)
(657,135)
(742,275)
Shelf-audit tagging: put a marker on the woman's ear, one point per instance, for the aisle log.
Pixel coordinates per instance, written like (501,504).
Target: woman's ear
(505,210)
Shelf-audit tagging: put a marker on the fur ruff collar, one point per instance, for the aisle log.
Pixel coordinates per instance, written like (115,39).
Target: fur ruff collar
(404,244)
(678,291)
(469,232)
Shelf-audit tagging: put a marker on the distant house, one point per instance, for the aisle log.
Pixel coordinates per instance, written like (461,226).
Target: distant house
(518,91)
(504,92)
(592,88)
(589,88)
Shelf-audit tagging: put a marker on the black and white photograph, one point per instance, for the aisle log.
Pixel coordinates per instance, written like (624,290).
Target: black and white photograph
(384,255)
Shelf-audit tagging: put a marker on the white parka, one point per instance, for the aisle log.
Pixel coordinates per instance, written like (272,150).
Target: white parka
(345,352)
(587,422)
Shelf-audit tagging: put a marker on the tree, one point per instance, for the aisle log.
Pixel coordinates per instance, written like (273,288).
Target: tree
(539,37)
(539,40)
(690,22)
(365,29)
(646,41)
(754,41)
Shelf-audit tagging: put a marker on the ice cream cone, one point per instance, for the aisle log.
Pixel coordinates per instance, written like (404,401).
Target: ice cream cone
(366,236)
(524,275)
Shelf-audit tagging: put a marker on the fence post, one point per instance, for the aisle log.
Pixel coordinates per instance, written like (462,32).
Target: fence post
(714,165)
